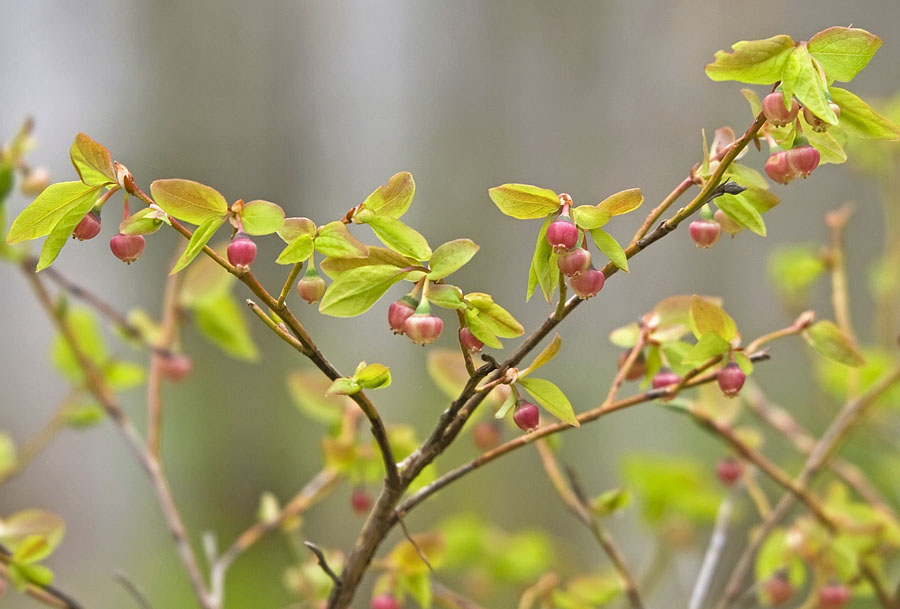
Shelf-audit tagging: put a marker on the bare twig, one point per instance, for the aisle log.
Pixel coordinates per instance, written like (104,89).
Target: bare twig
(713,552)
(322,562)
(168,332)
(132,589)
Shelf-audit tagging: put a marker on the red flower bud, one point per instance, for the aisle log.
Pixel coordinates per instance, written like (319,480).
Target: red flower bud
(587,283)
(573,262)
(527,416)
(399,311)
(705,232)
(360,501)
(775,111)
(729,470)
(779,589)
(241,251)
(88,228)
(834,596)
(802,160)
(778,169)
(562,234)
(664,378)
(311,287)
(468,340)
(731,378)
(423,329)
(127,248)
(817,123)
(638,368)
(385,601)
(176,367)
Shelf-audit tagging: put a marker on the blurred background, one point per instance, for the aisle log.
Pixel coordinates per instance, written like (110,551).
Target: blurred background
(314,104)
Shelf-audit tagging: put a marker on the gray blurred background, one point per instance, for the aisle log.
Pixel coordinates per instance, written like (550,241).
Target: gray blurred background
(314,104)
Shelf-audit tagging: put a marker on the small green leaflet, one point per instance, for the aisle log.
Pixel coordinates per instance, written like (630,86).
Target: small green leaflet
(446,296)
(860,119)
(51,206)
(261,218)
(707,317)
(399,237)
(755,62)
(622,202)
(710,345)
(831,342)
(144,221)
(610,247)
(523,201)
(355,291)
(738,208)
(372,376)
(62,232)
(394,198)
(551,398)
(335,241)
(220,321)
(547,354)
(92,161)
(198,240)
(588,217)
(450,257)
(843,52)
(188,200)
(543,271)
(802,80)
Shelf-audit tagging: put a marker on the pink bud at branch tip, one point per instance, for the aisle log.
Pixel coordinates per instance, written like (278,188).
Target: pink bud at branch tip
(527,416)
(705,232)
(242,251)
(423,329)
(731,378)
(88,228)
(587,283)
(127,248)
(562,234)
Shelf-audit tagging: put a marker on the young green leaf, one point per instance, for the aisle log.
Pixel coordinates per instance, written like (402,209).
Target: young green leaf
(744,362)
(830,150)
(483,331)
(446,296)
(394,198)
(842,51)
(610,247)
(205,282)
(343,386)
(745,176)
(92,162)
(16,529)
(860,119)
(62,232)
(706,317)
(377,256)
(221,322)
(831,342)
(373,376)
(752,99)
(506,406)
(547,354)
(626,336)
(611,501)
(51,206)
(755,62)
(144,222)
(198,240)
(307,390)
(551,398)
(296,227)
(502,323)
(450,257)
(543,271)
(296,251)
(622,202)
(335,240)
(261,217)
(741,211)
(523,201)
(802,80)
(188,200)
(710,345)
(587,217)
(355,291)
(399,237)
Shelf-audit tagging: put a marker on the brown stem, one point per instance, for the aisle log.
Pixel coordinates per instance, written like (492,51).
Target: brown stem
(660,209)
(168,332)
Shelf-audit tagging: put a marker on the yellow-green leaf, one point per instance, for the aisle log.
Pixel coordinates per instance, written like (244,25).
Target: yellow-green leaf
(39,218)
(221,322)
(296,251)
(738,208)
(335,240)
(296,227)
(144,221)
(307,389)
(858,118)
(843,51)
(543,271)
(399,237)
(92,161)
(622,202)
(524,201)
(546,354)
(607,244)
(802,79)
(450,257)
(831,342)
(62,232)
(188,200)
(261,217)
(198,240)
(373,376)
(587,217)
(550,398)
(355,291)
(708,317)
(755,62)
(394,198)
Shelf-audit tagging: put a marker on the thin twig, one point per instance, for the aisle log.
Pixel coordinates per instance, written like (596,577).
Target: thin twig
(167,333)
(451,599)
(288,284)
(412,541)
(44,593)
(322,562)
(133,591)
(713,551)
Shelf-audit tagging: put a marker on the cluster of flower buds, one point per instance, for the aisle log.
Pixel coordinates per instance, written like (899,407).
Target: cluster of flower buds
(783,166)
(574,262)
(780,114)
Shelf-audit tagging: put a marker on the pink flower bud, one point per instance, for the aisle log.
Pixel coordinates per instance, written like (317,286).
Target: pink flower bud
(311,287)
(385,601)
(775,111)
(176,367)
(731,378)
(664,378)
(88,228)
(705,232)
(779,589)
(562,234)
(573,262)
(817,123)
(399,311)
(778,169)
(360,501)
(802,160)
(527,416)
(423,329)
(729,470)
(468,340)
(241,251)
(834,596)
(587,283)
(728,225)
(127,248)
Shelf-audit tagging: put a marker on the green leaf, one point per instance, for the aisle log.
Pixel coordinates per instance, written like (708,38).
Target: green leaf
(355,291)
(551,398)
(860,119)
(92,162)
(62,232)
(261,217)
(7,453)
(830,150)
(394,198)
(831,342)
(377,256)
(755,62)
(611,501)
(523,201)
(622,202)
(343,386)
(36,574)
(399,237)
(32,549)
(450,257)
(83,416)
(296,227)
(446,296)
(335,240)
(204,282)
(86,331)
(546,354)
(506,406)
(373,376)
(626,336)
(842,51)
(610,247)
(543,271)
(296,251)
(706,317)
(587,217)
(745,176)
(502,323)
(51,206)
(761,199)
(307,390)
(802,79)
(221,322)
(752,99)
(122,375)
(777,554)
(482,330)
(743,362)
(188,200)
(198,240)
(144,222)
(738,208)
(20,526)
(710,345)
